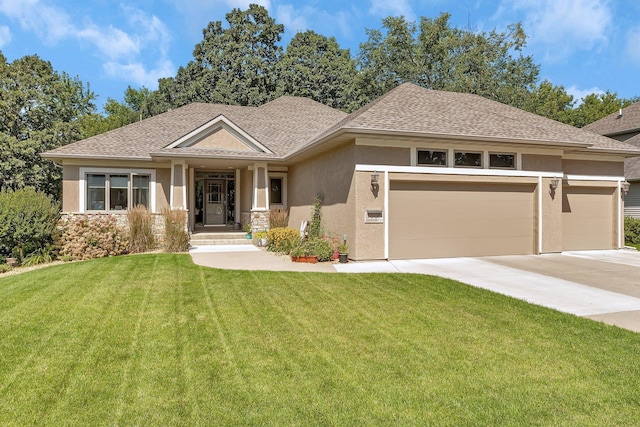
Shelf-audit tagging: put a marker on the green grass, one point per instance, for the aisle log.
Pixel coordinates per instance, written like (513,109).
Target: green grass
(633,245)
(156,340)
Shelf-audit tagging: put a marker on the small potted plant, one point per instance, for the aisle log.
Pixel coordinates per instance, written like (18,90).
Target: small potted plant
(261,237)
(343,253)
(247,230)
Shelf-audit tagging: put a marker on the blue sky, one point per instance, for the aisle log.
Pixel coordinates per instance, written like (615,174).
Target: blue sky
(585,45)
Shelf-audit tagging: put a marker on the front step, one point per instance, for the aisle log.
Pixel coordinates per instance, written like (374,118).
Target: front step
(213,238)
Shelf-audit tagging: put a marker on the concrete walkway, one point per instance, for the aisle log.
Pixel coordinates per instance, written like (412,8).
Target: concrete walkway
(600,285)
(249,257)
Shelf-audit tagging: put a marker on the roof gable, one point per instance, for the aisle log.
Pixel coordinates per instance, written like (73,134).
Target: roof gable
(219,134)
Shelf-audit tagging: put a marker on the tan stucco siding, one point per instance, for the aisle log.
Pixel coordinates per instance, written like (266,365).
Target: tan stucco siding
(163,188)
(70,189)
(332,174)
(390,156)
(593,167)
(369,237)
(551,217)
(542,163)
(246,189)
(222,139)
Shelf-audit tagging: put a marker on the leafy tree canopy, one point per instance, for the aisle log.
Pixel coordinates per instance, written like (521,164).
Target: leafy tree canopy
(437,56)
(39,111)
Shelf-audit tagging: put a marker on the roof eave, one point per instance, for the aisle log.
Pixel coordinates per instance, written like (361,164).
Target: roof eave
(62,156)
(389,132)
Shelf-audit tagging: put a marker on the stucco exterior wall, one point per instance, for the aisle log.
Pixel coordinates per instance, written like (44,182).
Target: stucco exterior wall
(369,237)
(551,217)
(163,188)
(246,190)
(388,156)
(332,174)
(222,139)
(70,189)
(541,162)
(592,167)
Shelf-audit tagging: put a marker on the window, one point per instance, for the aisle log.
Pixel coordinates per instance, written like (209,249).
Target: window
(468,159)
(113,192)
(432,157)
(504,161)
(275,191)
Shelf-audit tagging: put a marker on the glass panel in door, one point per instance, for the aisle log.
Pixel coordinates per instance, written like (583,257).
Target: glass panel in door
(215,213)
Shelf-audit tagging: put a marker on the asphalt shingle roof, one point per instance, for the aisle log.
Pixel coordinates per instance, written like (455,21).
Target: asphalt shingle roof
(288,124)
(615,123)
(412,109)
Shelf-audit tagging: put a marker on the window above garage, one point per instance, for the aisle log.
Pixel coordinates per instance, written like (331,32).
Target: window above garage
(480,159)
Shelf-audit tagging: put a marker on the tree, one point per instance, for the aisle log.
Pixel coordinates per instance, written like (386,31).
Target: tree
(596,106)
(234,65)
(315,67)
(39,111)
(437,56)
(550,101)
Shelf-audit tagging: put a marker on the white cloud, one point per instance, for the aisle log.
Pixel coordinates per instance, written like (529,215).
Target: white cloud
(5,35)
(579,94)
(120,49)
(565,25)
(293,19)
(138,74)
(385,8)
(633,44)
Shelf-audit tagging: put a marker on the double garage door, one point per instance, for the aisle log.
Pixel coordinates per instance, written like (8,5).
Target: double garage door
(440,219)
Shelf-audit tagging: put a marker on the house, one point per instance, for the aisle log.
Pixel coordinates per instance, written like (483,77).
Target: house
(415,174)
(624,125)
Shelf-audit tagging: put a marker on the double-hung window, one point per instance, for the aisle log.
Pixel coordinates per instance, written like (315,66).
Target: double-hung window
(117,191)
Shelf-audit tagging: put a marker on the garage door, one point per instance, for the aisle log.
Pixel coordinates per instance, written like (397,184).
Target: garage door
(435,220)
(587,218)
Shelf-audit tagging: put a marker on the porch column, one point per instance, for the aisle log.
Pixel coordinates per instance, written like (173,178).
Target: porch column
(178,185)
(260,199)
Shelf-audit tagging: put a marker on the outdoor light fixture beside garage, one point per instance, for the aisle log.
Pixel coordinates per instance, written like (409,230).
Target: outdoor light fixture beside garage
(625,187)
(554,182)
(374,180)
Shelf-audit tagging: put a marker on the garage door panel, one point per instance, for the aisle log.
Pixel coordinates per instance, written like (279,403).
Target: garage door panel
(429,220)
(587,218)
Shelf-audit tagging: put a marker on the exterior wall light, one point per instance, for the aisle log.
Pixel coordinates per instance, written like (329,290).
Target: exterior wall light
(374,181)
(554,182)
(625,187)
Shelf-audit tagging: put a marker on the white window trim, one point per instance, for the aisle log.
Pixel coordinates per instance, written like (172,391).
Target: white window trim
(483,163)
(451,156)
(502,153)
(114,171)
(444,150)
(283,176)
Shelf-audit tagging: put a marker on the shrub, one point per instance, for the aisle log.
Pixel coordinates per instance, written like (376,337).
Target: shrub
(282,239)
(40,256)
(28,220)
(632,230)
(315,225)
(86,238)
(176,235)
(278,218)
(4,268)
(322,248)
(141,237)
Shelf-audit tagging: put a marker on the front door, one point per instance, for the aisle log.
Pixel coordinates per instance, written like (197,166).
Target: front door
(215,203)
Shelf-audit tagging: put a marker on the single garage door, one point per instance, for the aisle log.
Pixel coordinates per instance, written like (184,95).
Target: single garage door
(436,220)
(587,218)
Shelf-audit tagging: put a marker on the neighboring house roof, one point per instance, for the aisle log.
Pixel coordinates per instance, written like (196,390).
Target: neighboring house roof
(615,124)
(632,169)
(289,124)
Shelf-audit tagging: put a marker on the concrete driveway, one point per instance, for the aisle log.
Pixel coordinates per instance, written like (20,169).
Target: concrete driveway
(600,285)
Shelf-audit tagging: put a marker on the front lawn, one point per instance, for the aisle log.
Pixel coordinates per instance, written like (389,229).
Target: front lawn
(156,340)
